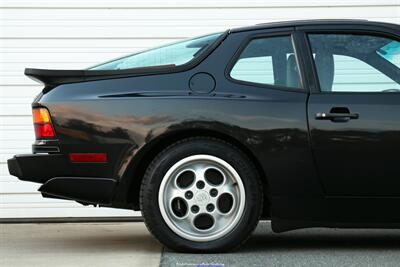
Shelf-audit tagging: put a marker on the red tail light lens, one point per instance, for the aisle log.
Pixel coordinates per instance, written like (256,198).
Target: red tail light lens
(42,123)
(44,131)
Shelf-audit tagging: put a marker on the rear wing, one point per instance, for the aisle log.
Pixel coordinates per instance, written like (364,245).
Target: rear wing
(56,77)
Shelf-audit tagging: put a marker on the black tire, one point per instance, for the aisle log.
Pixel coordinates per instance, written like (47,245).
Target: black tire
(183,149)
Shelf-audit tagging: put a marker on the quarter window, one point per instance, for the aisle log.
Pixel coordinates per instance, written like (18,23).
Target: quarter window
(269,60)
(356,63)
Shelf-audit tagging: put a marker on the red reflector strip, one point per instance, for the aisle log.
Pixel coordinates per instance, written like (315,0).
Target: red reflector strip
(44,130)
(88,157)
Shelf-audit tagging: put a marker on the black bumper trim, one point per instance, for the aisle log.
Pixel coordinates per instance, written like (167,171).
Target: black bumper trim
(81,189)
(64,180)
(45,149)
(13,168)
(38,168)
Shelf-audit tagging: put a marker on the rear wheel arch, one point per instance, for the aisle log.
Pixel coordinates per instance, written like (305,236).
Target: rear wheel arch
(137,168)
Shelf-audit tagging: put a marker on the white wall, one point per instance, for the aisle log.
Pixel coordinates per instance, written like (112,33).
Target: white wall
(73,34)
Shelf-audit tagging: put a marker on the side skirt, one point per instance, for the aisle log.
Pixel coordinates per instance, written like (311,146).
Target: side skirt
(283,225)
(335,212)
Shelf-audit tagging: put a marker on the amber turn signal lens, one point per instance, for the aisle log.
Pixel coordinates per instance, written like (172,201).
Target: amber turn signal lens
(41,115)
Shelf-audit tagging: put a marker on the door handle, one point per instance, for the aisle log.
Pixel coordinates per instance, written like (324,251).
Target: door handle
(336,117)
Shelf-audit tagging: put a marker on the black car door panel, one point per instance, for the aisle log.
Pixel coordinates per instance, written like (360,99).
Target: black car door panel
(355,118)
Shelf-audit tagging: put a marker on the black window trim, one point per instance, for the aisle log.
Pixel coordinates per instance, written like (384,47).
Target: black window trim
(344,29)
(297,52)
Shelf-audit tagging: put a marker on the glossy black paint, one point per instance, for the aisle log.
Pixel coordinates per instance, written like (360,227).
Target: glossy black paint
(315,173)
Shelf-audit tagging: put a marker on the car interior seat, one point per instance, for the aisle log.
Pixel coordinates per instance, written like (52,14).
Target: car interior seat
(292,72)
(325,65)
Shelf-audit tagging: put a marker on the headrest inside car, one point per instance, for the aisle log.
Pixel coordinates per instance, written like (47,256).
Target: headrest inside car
(325,65)
(292,73)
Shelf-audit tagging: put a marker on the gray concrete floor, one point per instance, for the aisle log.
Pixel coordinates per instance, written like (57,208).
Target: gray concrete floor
(75,244)
(130,244)
(306,247)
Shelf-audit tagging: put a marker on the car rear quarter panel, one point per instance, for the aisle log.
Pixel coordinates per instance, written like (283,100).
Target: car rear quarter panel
(122,116)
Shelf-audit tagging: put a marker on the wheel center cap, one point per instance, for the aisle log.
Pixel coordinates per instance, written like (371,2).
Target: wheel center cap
(202,198)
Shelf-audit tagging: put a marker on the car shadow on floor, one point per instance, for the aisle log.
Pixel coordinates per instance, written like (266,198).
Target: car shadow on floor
(128,236)
(321,238)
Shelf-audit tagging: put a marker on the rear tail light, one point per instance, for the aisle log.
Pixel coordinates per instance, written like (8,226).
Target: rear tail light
(42,123)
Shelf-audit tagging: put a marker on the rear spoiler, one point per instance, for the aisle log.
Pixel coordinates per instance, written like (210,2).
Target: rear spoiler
(57,77)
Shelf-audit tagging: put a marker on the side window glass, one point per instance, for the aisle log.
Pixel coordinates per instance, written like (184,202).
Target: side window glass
(269,60)
(356,63)
(391,52)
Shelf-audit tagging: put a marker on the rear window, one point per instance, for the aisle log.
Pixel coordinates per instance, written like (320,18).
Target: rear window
(170,55)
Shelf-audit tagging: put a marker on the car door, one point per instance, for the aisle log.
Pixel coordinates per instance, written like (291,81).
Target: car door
(354,117)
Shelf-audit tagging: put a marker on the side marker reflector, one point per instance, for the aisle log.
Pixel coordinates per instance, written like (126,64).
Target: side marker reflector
(88,157)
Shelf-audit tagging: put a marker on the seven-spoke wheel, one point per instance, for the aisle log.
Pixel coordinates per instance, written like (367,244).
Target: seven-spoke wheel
(201,195)
(201,198)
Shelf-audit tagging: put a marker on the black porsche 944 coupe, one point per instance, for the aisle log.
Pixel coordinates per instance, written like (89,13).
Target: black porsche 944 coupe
(297,122)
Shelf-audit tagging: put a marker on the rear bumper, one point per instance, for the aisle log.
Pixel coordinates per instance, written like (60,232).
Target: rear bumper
(60,179)
(38,168)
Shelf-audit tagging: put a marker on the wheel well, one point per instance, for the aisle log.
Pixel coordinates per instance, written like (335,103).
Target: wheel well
(138,169)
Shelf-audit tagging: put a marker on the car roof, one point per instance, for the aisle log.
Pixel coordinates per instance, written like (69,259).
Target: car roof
(315,22)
